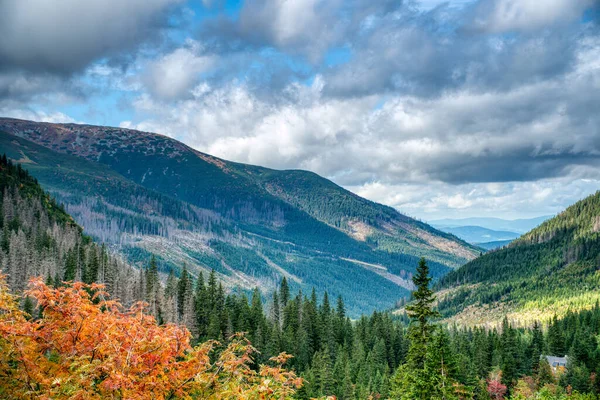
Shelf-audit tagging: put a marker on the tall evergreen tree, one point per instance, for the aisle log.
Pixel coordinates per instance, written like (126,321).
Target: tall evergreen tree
(284,292)
(420,312)
(556,340)
(509,353)
(70,267)
(183,287)
(413,381)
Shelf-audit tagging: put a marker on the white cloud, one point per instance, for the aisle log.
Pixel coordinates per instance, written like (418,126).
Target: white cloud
(175,74)
(429,4)
(39,116)
(431,200)
(418,154)
(528,15)
(306,25)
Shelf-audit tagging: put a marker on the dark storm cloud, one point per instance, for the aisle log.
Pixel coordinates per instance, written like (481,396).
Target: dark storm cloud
(519,165)
(62,37)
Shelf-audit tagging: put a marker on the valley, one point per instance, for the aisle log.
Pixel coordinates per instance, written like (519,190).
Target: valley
(144,194)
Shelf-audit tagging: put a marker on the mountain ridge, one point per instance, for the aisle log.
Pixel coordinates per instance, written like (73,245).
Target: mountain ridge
(249,223)
(477,234)
(519,225)
(548,271)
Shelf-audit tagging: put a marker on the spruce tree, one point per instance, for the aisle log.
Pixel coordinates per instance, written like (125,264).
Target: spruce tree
(70,267)
(413,381)
(441,366)
(284,292)
(182,291)
(420,312)
(556,340)
(201,307)
(275,311)
(509,353)
(537,346)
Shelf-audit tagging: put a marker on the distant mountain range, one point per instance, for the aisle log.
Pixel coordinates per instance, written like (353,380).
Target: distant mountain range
(478,234)
(548,271)
(494,245)
(145,194)
(497,224)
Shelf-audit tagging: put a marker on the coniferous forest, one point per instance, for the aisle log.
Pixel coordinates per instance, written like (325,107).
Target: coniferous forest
(196,339)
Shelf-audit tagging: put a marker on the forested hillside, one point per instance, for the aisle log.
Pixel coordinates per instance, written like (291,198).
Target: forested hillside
(547,271)
(92,354)
(145,194)
(38,238)
(376,355)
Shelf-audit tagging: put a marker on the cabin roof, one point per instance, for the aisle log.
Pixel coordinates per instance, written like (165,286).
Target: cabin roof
(557,361)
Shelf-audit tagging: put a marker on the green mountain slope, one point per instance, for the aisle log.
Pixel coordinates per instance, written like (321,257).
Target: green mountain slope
(547,271)
(38,238)
(146,193)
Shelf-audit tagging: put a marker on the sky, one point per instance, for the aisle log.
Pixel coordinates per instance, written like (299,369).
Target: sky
(442,109)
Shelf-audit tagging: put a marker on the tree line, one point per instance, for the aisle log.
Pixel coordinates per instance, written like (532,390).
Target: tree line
(378,356)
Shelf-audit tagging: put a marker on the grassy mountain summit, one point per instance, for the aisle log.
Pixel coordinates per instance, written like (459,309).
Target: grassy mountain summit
(547,271)
(146,193)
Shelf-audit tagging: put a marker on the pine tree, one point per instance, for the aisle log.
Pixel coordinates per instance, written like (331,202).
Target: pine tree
(441,366)
(420,313)
(70,267)
(92,268)
(509,353)
(544,374)
(347,387)
(340,321)
(171,285)
(151,278)
(537,346)
(182,291)
(28,307)
(152,287)
(284,292)
(201,307)
(275,311)
(412,381)
(556,340)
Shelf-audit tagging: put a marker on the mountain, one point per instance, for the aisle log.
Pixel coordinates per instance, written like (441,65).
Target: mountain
(144,193)
(494,245)
(549,270)
(478,234)
(497,224)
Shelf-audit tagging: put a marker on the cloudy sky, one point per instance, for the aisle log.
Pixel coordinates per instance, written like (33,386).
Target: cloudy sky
(439,108)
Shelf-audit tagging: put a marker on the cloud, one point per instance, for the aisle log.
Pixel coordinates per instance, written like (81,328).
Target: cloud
(527,15)
(65,36)
(175,74)
(427,54)
(300,27)
(430,201)
(542,130)
(307,25)
(433,106)
(40,116)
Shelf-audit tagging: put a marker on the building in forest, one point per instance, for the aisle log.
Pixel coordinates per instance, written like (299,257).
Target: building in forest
(557,363)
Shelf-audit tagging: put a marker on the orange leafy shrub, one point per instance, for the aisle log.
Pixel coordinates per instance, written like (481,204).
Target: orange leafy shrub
(84,346)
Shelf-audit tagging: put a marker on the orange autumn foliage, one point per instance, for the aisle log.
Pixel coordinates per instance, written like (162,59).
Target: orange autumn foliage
(85,346)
